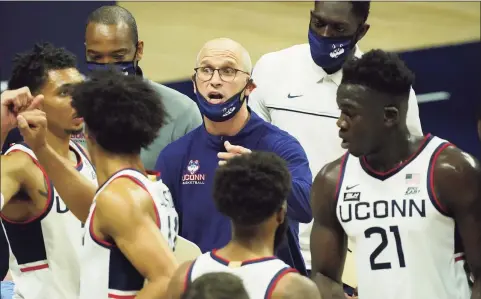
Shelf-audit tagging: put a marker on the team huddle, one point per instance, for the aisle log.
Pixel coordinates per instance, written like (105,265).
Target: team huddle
(95,222)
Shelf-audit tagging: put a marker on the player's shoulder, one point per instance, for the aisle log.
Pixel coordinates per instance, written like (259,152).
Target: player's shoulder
(330,172)
(18,160)
(450,160)
(123,193)
(295,286)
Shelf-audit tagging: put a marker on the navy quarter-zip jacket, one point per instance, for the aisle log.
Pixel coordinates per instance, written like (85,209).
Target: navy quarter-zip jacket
(188,165)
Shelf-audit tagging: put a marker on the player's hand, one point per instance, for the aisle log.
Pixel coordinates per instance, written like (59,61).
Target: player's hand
(232,151)
(33,127)
(14,102)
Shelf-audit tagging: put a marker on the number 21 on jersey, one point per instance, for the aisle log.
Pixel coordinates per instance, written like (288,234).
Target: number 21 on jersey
(384,234)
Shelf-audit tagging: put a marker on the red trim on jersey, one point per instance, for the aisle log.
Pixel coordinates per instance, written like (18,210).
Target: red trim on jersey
(459,258)
(94,236)
(431,176)
(140,184)
(188,275)
(49,196)
(272,285)
(121,296)
(34,268)
(408,160)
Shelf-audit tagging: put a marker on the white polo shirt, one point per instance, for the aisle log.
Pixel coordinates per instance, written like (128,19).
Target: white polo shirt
(296,95)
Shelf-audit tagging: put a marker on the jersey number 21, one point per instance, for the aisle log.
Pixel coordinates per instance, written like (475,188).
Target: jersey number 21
(384,243)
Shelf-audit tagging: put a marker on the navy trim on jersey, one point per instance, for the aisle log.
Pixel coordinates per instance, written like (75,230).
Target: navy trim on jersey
(226,262)
(275,280)
(430,180)
(100,187)
(96,239)
(81,149)
(340,178)
(387,174)
(122,274)
(303,112)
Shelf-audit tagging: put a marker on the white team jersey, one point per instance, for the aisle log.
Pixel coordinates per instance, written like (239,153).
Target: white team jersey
(44,259)
(260,276)
(105,271)
(406,244)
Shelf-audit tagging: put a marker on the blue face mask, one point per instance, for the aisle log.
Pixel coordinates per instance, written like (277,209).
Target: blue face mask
(330,53)
(220,112)
(128,67)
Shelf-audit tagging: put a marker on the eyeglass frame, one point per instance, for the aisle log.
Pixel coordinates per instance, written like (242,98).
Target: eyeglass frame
(220,76)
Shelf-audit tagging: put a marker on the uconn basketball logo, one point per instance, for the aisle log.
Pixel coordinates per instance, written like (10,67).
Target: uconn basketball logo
(192,177)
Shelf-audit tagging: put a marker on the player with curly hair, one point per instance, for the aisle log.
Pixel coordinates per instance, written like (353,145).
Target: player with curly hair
(251,191)
(131,225)
(43,234)
(410,203)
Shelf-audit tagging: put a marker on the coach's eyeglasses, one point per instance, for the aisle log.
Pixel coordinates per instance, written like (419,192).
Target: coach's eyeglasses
(226,74)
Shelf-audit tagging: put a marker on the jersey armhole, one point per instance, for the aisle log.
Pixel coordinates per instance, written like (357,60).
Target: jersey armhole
(430,180)
(275,280)
(50,194)
(340,177)
(188,276)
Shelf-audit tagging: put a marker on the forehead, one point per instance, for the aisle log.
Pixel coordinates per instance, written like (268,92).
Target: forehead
(218,57)
(108,37)
(335,12)
(59,78)
(354,95)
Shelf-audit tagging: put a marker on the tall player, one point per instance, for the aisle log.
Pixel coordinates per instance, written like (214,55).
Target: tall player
(42,233)
(252,191)
(407,201)
(131,227)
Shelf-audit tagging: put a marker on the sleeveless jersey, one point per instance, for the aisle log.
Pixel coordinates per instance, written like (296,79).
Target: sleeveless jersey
(260,276)
(105,271)
(407,245)
(44,251)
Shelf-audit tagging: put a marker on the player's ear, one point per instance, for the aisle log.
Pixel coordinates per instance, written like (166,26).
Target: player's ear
(391,115)
(281,215)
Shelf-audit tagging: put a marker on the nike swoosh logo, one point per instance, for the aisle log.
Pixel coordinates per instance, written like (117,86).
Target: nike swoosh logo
(350,187)
(289,96)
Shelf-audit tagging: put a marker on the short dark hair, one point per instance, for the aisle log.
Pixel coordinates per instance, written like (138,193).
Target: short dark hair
(361,9)
(112,15)
(250,188)
(31,68)
(122,113)
(217,285)
(379,70)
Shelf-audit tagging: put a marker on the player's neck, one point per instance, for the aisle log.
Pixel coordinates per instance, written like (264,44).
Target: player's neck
(249,245)
(61,145)
(230,127)
(397,148)
(107,164)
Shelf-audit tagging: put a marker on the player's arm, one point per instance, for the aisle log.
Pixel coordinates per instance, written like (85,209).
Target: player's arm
(177,283)
(124,215)
(457,181)
(328,240)
(76,190)
(295,286)
(14,175)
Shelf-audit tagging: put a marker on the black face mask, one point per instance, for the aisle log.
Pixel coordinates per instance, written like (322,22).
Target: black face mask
(280,235)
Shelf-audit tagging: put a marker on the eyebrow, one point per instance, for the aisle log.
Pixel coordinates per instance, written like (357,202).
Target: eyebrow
(89,51)
(323,19)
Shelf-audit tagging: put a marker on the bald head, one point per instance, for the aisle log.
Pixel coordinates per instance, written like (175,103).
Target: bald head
(228,48)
